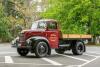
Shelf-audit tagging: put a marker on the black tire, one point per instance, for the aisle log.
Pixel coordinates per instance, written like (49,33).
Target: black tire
(41,49)
(59,51)
(78,48)
(22,51)
(49,51)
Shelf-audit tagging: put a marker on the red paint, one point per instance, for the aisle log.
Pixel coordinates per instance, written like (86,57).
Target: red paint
(52,35)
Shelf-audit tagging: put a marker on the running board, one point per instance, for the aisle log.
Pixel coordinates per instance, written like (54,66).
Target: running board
(64,45)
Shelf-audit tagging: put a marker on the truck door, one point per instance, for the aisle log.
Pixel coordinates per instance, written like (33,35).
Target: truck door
(52,34)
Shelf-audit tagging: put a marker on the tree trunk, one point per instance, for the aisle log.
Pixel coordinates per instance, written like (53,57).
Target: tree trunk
(97,40)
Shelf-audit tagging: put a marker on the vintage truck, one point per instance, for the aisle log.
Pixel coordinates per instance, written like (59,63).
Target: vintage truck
(45,35)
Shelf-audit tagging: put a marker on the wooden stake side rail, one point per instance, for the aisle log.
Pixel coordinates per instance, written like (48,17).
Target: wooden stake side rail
(76,36)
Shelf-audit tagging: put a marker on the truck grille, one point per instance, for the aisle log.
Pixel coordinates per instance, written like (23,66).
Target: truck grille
(21,37)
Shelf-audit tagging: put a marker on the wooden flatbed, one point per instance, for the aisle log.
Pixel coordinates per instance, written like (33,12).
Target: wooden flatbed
(79,36)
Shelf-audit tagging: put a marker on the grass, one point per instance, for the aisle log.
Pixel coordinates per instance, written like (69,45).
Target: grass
(93,44)
(97,44)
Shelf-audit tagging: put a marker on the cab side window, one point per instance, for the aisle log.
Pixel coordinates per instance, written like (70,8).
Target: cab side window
(52,25)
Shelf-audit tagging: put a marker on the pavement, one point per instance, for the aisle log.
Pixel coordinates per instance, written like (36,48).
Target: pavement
(10,58)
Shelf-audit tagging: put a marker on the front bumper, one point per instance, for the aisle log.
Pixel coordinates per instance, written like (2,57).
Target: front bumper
(23,45)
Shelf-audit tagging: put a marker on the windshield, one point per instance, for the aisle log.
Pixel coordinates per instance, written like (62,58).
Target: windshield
(38,25)
(34,26)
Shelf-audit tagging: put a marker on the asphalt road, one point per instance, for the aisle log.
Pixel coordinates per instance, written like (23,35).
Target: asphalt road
(10,58)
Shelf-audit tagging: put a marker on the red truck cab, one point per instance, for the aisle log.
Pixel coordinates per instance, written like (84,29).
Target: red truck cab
(45,35)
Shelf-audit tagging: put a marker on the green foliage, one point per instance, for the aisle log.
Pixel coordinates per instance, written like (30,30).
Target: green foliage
(4,31)
(75,16)
(9,8)
(95,25)
(14,15)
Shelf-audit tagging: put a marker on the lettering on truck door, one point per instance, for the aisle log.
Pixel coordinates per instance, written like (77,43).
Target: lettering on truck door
(53,34)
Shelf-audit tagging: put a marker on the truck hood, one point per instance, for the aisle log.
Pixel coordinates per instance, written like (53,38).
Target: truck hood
(29,30)
(23,31)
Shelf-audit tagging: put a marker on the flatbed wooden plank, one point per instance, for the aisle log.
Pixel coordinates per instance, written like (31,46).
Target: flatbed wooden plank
(76,36)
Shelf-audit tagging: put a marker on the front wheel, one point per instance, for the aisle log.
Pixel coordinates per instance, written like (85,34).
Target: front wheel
(22,51)
(78,48)
(41,49)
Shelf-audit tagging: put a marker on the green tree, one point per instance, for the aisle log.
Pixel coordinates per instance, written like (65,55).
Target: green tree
(75,16)
(4,28)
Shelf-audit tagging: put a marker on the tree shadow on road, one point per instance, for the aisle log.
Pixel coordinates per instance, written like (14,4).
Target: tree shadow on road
(70,54)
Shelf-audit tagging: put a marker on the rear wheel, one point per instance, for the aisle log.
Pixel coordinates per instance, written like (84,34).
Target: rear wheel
(60,51)
(22,51)
(41,49)
(78,48)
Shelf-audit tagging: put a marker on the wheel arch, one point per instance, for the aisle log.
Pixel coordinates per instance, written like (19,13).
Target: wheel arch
(34,39)
(73,42)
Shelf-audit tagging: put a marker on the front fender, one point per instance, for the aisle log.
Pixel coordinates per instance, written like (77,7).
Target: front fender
(35,38)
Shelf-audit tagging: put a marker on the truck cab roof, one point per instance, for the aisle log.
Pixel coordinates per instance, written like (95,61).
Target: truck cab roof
(52,20)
